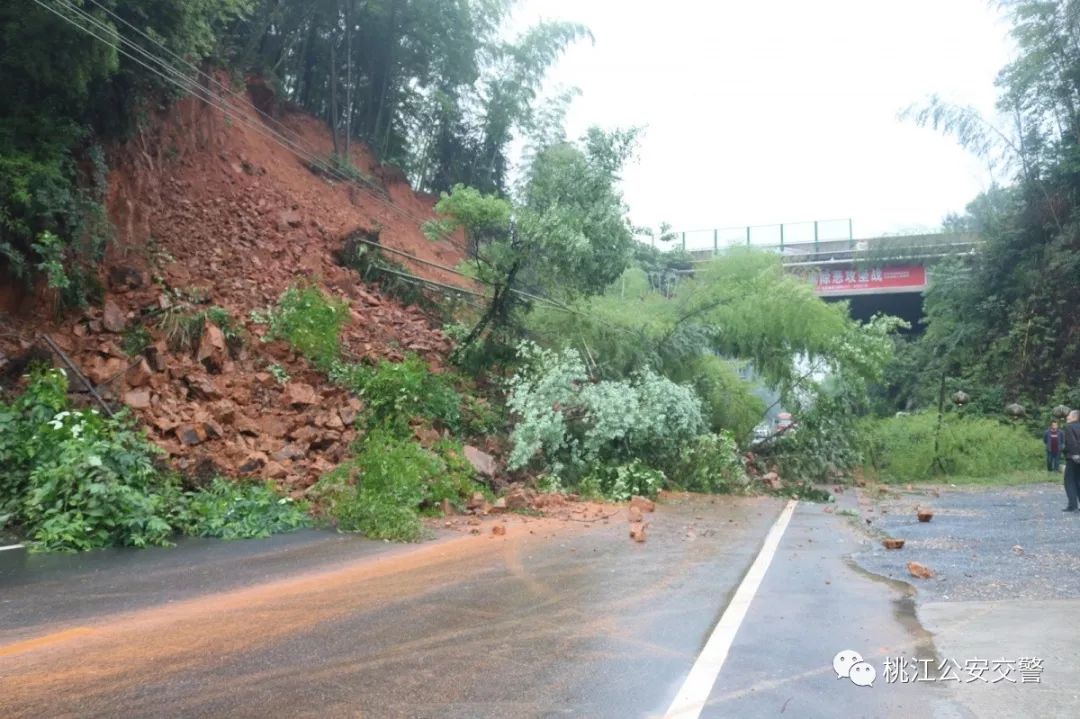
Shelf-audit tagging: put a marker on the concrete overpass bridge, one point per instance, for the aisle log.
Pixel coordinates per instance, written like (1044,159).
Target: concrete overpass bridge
(874,274)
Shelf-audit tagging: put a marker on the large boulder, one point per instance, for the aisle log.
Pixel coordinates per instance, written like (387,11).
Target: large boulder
(481,461)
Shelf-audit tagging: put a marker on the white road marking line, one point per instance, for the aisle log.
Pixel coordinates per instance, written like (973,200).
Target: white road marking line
(11,546)
(695,691)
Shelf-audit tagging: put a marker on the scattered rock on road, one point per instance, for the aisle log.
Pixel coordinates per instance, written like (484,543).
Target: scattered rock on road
(919,570)
(644,505)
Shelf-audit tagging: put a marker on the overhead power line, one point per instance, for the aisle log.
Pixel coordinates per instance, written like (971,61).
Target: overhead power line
(166,71)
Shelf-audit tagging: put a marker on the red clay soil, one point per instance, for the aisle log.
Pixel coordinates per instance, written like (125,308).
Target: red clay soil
(213,209)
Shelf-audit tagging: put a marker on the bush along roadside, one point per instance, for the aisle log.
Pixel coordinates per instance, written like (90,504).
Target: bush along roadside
(75,480)
(391,480)
(902,449)
(616,438)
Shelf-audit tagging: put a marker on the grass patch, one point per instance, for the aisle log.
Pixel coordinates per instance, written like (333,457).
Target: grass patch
(1005,479)
(184,327)
(901,449)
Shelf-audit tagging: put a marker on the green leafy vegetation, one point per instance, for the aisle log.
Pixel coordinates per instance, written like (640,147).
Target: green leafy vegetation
(902,449)
(711,464)
(232,510)
(568,235)
(74,480)
(279,373)
(396,393)
(136,339)
(1000,323)
(566,424)
(311,322)
(383,490)
(620,482)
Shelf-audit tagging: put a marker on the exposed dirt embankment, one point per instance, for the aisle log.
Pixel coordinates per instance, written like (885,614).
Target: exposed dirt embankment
(210,212)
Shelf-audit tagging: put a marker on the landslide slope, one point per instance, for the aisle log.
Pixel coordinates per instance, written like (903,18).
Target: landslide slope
(212,212)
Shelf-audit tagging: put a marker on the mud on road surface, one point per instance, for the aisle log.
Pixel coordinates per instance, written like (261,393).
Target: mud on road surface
(551,618)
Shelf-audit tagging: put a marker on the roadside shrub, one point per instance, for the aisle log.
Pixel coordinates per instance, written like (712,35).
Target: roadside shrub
(381,492)
(75,480)
(566,424)
(397,392)
(455,484)
(825,445)
(619,483)
(231,510)
(710,463)
(311,322)
(902,448)
(380,517)
(72,480)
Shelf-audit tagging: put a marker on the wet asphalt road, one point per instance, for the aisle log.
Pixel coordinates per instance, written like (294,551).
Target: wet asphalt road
(813,604)
(1006,591)
(554,620)
(576,621)
(1009,543)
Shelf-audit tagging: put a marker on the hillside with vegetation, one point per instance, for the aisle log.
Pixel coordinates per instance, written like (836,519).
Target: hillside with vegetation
(1002,342)
(272,263)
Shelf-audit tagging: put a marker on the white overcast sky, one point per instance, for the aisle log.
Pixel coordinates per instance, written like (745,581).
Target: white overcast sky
(768,111)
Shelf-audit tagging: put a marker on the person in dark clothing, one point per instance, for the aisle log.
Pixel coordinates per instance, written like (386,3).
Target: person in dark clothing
(1072,460)
(1053,440)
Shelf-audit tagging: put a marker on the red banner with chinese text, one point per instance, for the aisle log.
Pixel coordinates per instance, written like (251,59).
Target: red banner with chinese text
(890,278)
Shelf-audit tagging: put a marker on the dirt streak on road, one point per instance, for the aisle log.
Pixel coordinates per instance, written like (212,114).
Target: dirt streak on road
(473,626)
(173,637)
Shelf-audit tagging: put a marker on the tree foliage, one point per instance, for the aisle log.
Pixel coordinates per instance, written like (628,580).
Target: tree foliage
(738,313)
(566,237)
(64,93)
(1001,325)
(430,85)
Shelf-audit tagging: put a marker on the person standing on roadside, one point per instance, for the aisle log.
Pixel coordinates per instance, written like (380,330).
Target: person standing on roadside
(1072,459)
(1053,440)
